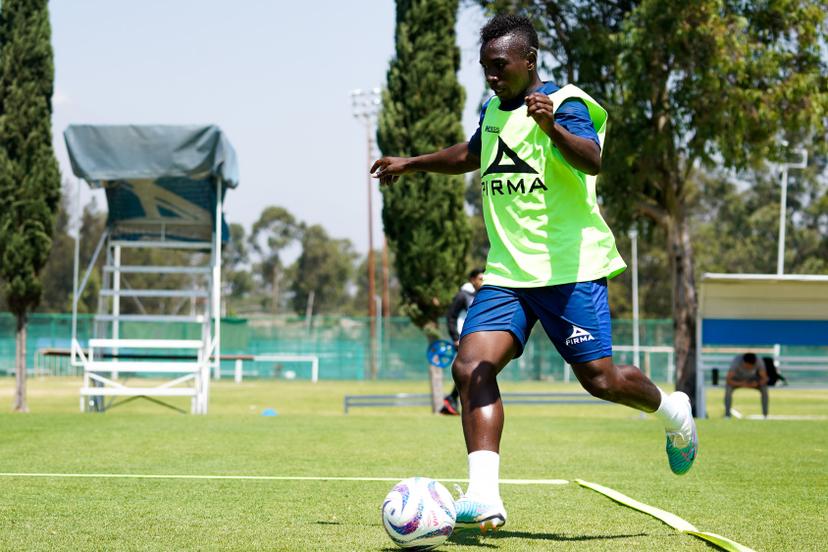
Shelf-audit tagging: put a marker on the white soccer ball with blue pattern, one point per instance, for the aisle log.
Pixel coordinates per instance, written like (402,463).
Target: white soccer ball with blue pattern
(418,513)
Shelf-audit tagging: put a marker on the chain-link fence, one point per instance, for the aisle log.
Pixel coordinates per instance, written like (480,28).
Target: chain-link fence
(343,346)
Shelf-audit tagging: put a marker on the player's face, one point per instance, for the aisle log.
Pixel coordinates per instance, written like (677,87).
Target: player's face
(507,67)
(477,282)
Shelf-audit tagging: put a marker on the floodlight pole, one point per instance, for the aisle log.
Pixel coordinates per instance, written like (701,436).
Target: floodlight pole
(783,206)
(386,286)
(365,105)
(636,342)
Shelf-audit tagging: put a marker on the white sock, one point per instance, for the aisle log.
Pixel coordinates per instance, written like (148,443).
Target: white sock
(484,475)
(670,412)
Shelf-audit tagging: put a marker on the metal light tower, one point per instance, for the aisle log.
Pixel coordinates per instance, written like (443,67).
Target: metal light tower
(783,205)
(365,105)
(636,340)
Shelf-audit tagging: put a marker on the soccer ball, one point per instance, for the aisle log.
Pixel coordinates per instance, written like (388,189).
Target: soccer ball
(418,513)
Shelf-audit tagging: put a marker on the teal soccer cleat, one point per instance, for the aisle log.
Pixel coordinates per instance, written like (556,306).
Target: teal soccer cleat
(488,516)
(683,445)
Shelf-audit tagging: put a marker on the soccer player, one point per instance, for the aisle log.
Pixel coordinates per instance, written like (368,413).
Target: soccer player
(538,148)
(455,318)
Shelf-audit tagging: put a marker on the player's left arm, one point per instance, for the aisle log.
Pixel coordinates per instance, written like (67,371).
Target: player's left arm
(581,153)
(763,377)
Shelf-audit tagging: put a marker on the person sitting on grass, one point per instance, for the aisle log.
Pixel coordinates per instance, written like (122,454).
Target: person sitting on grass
(746,371)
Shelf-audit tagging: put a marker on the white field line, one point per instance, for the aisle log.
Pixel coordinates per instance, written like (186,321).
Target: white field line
(264,477)
(805,417)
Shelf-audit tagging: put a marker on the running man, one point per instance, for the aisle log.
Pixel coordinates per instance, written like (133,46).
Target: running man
(538,148)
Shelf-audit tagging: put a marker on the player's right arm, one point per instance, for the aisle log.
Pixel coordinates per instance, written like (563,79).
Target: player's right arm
(456,159)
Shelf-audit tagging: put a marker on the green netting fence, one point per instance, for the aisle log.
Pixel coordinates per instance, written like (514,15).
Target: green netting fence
(343,346)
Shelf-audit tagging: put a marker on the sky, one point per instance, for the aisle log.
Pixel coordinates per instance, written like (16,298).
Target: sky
(275,75)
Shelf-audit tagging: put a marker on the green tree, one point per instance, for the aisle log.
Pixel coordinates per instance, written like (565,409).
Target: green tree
(275,230)
(56,274)
(738,223)
(160,257)
(423,213)
(689,86)
(235,252)
(479,250)
(29,176)
(93,224)
(235,259)
(359,305)
(653,277)
(57,288)
(324,269)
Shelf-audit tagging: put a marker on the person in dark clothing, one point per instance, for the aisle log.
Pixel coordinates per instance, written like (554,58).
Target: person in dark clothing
(455,317)
(747,371)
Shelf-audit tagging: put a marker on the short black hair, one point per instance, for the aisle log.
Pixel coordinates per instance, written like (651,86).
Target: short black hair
(502,25)
(475,272)
(750,358)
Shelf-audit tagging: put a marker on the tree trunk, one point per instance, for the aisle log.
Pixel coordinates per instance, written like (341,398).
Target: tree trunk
(20,366)
(435,373)
(275,291)
(436,376)
(685,305)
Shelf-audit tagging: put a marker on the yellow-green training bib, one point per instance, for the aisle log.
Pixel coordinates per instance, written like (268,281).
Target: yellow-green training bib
(541,214)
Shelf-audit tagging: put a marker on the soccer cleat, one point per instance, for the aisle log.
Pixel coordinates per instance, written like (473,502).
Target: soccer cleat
(487,516)
(683,445)
(449,407)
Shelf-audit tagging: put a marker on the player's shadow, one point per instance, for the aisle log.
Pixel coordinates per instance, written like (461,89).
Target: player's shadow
(472,538)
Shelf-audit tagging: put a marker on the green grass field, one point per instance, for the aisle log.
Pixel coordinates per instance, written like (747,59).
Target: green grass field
(761,483)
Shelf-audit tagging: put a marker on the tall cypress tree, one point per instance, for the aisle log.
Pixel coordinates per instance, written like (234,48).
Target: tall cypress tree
(29,176)
(422,213)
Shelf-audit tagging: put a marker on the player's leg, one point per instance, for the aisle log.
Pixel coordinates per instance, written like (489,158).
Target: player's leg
(450,403)
(622,384)
(495,331)
(629,386)
(481,357)
(728,399)
(576,317)
(763,389)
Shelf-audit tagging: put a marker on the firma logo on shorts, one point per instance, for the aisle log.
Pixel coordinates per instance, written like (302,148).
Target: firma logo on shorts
(579,335)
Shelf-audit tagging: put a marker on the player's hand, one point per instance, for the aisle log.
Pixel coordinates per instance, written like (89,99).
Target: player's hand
(541,109)
(389,169)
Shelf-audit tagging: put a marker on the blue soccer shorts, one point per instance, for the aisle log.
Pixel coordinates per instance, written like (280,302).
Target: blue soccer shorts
(576,317)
